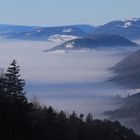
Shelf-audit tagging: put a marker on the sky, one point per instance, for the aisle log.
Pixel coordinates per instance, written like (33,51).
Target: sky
(66,12)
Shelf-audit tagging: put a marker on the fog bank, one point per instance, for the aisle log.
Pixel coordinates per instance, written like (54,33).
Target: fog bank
(68,81)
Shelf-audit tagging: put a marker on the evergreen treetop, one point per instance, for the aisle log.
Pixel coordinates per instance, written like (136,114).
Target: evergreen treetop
(14,85)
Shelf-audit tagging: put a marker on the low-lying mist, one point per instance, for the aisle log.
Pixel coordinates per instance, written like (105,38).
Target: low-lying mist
(68,81)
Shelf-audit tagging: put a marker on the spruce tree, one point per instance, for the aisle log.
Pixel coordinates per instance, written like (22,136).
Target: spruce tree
(89,118)
(14,84)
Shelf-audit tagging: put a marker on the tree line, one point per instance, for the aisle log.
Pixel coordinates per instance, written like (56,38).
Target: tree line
(21,119)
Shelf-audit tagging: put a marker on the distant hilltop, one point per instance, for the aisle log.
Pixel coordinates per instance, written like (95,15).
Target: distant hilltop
(95,41)
(129,29)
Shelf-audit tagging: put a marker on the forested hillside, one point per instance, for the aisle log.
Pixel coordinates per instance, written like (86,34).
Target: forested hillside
(24,120)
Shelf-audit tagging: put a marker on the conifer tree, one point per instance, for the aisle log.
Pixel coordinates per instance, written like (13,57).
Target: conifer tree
(14,84)
(89,118)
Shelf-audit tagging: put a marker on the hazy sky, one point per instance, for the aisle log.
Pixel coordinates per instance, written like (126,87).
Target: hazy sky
(62,12)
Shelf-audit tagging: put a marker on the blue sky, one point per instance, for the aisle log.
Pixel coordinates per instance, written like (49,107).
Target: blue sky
(64,12)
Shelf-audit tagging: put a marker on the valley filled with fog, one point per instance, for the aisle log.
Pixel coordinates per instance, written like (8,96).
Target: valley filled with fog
(74,80)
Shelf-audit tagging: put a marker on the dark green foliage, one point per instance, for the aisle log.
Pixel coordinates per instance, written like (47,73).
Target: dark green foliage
(13,103)
(14,84)
(21,120)
(89,118)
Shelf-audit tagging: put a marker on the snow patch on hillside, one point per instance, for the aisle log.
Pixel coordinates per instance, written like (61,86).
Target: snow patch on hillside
(69,45)
(127,24)
(67,30)
(58,37)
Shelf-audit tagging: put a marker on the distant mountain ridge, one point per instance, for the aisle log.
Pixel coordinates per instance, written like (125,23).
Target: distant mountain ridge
(45,33)
(64,33)
(129,29)
(95,41)
(89,29)
(6,28)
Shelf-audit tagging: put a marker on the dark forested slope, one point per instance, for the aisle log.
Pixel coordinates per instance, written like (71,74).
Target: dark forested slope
(24,120)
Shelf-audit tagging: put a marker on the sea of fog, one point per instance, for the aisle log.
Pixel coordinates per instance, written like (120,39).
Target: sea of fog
(70,81)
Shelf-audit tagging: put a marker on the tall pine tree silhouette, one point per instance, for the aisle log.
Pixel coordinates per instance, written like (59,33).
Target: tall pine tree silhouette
(14,84)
